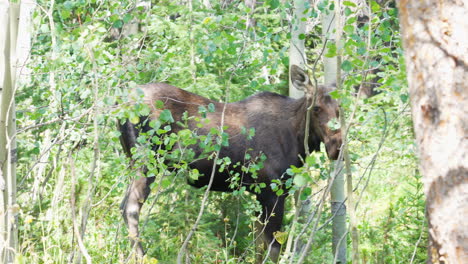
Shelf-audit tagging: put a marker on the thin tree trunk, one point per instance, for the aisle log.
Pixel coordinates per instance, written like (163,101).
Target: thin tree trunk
(250,21)
(349,192)
(93,174)
(351,210)
(297,49)
(436,52)
(297,56)
(193,67)
(332,74)
(9,209)
(329,64)
(41,166)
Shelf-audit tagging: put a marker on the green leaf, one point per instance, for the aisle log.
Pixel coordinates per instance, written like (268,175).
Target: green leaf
(159,104)
(300,180)
(346,66)
(184,133)
(232,50)
(274,186)
(144,110)
(322,5)
(225,139)
(349,3)
(118,24)
(375,7)
(348,29)
(202,110)
(331,50)
(273,3)
(335,94)
(214,131)
(254,84)
(306,192)
(310,160)
(211,108)
(251,133)
(134,119)
(279,192)
(69,5)
(404,98)
(127,18)
(194,174)
(243,130)
(348,11)
(65,14)
(166,116)
(334,124)
(165,183)
(351,20)
(154,123)
(361,50)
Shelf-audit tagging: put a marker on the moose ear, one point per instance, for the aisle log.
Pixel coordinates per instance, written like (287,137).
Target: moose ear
(299,77)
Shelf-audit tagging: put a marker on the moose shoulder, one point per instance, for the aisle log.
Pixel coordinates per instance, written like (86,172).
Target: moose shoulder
(279,123)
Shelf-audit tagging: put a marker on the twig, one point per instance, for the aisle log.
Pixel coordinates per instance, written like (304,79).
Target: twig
(417,242)
(96,159)
(205,197)
(73,209)
(335,258)
(318,211)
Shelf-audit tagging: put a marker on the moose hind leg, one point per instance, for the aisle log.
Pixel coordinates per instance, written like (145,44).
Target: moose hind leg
(131,205)
(272,218)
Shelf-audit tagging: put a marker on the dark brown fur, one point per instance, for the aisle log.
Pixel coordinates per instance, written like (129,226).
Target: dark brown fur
(279,123)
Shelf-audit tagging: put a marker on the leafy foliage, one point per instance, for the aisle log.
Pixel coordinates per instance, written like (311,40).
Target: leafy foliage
(85,59)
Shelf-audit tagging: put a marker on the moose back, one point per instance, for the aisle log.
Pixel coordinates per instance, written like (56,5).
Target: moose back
(279,122)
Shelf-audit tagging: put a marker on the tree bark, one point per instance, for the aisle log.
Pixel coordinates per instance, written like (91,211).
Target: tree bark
(332,74)
(297,49)
(297,56)
(9,208)
(436,52)
(250,20)
(351,204)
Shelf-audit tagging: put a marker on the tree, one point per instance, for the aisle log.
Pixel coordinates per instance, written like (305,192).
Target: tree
(331,28)
(436,53)
(297,49)
(9,208)
(67,111)
(251,5)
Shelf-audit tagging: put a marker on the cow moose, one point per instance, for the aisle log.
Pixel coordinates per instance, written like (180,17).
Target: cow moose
(280,124)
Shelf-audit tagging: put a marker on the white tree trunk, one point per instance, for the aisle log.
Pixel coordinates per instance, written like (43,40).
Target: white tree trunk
(329,64)
(435,39)
(297,50)
(15,21)
(332,74)
(250,21)
(8,208)
(297,56)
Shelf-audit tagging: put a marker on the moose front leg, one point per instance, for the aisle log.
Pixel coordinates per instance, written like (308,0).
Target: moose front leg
(271,221)
(131,205)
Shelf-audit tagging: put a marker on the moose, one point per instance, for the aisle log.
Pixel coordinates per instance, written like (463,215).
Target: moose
(280,130)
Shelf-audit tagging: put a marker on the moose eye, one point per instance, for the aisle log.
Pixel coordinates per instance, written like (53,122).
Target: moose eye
(317,109)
